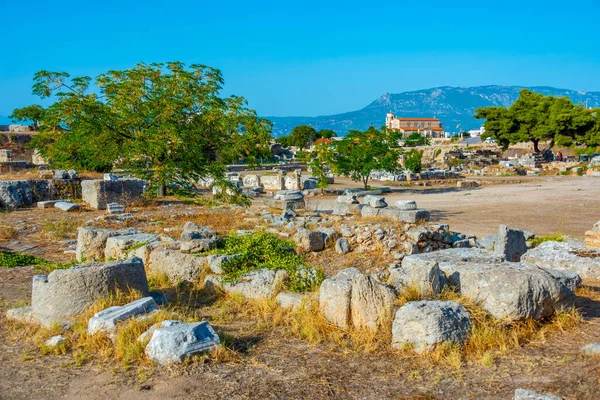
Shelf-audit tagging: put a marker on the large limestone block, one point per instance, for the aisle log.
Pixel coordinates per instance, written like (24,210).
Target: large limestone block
(292,199)
(291,300)
(375,201)
(510,291)
(409,216)
(335,295)
(177,266)
(310,240)
(99,192)
(68,292)
(272,182)
(118,247)
(107,319)
(92,241)
(257,284)
(175,343)
(424,324)
(565,256)
(346,209)
(511,243)
(15,194)
(371,303)
(426,276)
(251,180)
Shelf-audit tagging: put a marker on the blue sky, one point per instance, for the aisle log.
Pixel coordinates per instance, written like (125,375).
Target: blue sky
(308,57)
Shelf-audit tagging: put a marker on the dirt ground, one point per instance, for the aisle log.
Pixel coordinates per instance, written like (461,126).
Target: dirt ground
(275,365)
(542,205)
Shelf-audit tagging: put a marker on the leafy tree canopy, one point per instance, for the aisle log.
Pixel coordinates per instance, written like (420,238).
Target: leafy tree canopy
(33,113)
(302,136)
(165,122)
(413,161)
(326,134)
(362,152)
(416,139)
(537,118)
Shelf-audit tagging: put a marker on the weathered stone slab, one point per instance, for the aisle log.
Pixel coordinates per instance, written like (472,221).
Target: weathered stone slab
(47,203)
(175,343)
(272,182)
(68,292)
(335,295)
(346,209)
(410,216)
(565,256)
(375,201)
(406,205)
(115,208)
(106,320)
(525,394)
(310,240)
(215,262)
(511,243)
(371,303)
(118,247)
(426,276)
(66,206)
(91,242)
(257,284)
(510,291)
(342,246)
(424,324)
(99,192)
(175,265)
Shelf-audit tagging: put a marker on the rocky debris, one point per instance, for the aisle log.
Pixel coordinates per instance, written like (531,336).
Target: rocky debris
(177,266)
(107,319)
(257,284)
(291,300)
(371,303)
(115,208)
(591,348)
(406,205)
(68,292)
(310,240)
(342,246)
(55,341)
(525,394)
(192,231)
(288,199)
(175,343)
(409,216)
(215,262)
(425,276)
(511,243)
(335,296)
(329,236)
(66,206)
(511,291)
(100,192)
(375,201)
(91,242)
(346,205)
(424,324)
(592,237)
(119,247)
(565,256)
(22,314)
(22,193)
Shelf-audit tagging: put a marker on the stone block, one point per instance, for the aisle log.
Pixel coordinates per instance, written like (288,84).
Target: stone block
(257,284)
(177,266)
(335,296)
(511,243)
(107,319)
(118,247)
(99,192)
(91,242)
(175,343)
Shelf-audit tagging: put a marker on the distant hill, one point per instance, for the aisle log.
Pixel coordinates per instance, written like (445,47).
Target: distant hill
(452,105)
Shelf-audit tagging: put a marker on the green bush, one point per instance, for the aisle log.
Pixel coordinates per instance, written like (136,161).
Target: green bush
(11,260)
(262,250)
(413,161)
(554,238)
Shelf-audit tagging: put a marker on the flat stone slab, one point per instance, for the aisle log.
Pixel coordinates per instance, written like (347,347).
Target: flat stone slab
(406,205)
(66,206)
(591,348)
(525,394)
(118,247)
(290,300)
(257,284)
(48,203)
(175,343)
(106,320)
(565,256)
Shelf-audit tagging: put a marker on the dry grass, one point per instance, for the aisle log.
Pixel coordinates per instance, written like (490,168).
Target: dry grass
(7,232)
(64,228)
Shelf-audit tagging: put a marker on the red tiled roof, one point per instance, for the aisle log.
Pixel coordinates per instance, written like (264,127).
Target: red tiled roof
(414,128)
(323,140)
(417,119)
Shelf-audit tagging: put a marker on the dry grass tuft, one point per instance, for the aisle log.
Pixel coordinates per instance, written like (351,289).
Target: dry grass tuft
(7,232)
(64,228)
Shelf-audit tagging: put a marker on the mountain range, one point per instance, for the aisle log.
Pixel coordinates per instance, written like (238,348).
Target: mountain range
(454,106)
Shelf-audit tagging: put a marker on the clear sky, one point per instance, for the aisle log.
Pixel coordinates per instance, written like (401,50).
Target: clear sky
(308,57)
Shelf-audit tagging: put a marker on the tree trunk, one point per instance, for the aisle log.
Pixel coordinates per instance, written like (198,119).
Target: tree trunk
(366,183)
(536,143)
(161,191)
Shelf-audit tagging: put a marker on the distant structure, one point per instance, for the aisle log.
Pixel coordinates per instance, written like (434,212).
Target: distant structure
(427,127)
(477,132)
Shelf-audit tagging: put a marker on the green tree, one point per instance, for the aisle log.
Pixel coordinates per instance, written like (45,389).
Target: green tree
(318,161)
(416,139)
(284,141)
(592,136)
(33,113)
(302,136)
(362,152)
(326,134)
(413,161)
(165,122)
(536,118)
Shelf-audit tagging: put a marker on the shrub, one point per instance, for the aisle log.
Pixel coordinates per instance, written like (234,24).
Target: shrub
(263,250)
(413,161)
(550,238)
(11,260)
